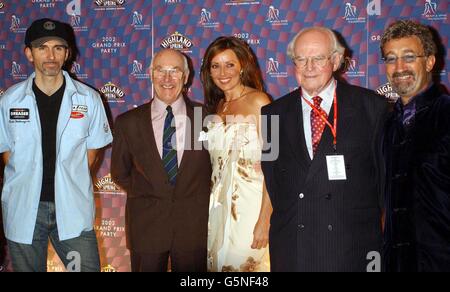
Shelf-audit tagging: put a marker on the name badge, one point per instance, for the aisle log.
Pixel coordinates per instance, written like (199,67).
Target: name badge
(336,167)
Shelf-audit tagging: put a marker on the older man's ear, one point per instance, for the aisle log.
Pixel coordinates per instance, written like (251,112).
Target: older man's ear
(337,61)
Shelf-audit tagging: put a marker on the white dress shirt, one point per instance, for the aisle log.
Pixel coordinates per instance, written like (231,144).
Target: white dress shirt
(327,96)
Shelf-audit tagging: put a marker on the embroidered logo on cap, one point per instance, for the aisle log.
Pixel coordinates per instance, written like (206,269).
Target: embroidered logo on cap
(49,25)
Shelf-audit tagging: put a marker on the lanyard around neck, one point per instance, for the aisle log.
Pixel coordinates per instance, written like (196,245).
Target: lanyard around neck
(323,116)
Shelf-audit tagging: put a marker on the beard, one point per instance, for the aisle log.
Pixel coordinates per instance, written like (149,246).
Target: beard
(51,71)
(403,87)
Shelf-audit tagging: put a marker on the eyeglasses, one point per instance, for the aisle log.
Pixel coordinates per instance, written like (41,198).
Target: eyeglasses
(174,73)
(406,58)
(319,61)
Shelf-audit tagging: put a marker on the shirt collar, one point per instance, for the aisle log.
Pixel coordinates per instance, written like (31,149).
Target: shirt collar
(327,95)
(71,87)
(160,107)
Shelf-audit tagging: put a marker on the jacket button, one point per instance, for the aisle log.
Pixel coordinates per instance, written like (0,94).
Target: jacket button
(301,196)
(330,227)
(301,226)
(402,244)
(400,210)
(328,197)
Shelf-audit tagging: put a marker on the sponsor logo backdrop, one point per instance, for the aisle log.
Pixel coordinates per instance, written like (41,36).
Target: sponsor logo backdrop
(117,39)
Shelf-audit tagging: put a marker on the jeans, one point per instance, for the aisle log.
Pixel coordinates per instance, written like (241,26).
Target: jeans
(78,254)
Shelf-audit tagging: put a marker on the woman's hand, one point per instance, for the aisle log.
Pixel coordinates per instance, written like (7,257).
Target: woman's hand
(261,234)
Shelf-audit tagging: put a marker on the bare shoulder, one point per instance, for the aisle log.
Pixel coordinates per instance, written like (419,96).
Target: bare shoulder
(258,99)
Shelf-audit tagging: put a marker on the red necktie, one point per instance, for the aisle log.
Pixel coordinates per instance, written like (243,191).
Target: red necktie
(317,124)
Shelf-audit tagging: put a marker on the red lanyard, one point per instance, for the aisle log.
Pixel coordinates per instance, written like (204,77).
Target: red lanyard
(323,116)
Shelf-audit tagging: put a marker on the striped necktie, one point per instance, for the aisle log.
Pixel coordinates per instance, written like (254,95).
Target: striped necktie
(169,147)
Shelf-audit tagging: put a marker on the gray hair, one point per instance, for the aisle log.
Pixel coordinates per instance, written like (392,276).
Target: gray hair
(336,45)
(185,60)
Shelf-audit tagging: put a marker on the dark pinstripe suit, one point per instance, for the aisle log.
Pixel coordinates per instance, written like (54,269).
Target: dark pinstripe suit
(317,224)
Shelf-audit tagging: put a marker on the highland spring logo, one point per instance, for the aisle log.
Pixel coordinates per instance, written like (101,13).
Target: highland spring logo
(206,20)
(177,41)
(109,4)
(273,17)
(388,92)
(430,12)
(107,185)
(113,93)
(1,7)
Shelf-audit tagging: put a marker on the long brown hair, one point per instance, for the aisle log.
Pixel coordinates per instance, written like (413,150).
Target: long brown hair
(251,74)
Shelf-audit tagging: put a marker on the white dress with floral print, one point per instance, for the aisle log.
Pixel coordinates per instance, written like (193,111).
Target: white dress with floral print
(235,202)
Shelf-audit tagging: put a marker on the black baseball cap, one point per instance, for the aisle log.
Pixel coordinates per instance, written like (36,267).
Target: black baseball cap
(46,29)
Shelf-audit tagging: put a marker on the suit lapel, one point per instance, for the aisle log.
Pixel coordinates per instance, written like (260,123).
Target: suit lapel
(295,130)
(152,160)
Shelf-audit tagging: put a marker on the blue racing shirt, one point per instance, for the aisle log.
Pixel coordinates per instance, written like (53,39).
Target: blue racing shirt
(82,125)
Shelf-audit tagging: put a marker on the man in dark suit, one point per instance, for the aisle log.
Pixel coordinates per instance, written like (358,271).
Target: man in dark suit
(417,151)
(159,161)
(326,181)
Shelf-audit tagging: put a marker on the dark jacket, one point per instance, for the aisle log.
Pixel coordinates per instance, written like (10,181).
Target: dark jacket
(317,224)
(159,216)
(417,234)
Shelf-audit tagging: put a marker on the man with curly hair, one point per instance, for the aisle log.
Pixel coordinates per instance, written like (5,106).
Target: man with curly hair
(417,154)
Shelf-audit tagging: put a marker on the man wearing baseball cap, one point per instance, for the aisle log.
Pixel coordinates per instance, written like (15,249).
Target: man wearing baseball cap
(51,128)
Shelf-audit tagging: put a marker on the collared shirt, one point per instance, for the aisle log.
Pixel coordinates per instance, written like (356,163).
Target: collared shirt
(407,112)
(159,113)
(327,96)
(82,125)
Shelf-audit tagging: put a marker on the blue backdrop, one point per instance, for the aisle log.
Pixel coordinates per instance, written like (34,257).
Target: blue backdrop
(117,38)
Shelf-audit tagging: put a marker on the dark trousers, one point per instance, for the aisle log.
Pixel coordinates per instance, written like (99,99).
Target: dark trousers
(179,261)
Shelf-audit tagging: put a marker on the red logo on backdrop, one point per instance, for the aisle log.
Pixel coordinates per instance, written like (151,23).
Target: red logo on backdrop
(76,115)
